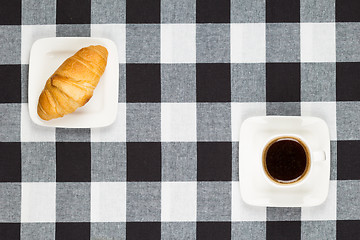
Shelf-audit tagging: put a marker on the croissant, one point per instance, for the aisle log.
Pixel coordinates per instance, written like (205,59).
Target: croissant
(73,83)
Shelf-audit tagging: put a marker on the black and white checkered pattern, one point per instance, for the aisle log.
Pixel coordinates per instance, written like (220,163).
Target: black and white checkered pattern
(190,72)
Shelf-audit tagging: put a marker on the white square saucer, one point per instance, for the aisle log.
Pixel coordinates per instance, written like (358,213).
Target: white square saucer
(47,55)
(256,189)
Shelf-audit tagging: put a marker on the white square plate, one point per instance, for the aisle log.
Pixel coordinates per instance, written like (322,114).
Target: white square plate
(47,55)
(255,188)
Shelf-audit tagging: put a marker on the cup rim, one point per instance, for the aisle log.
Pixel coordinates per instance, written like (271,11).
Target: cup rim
(304,144)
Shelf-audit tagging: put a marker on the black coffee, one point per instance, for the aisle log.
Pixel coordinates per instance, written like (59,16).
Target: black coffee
(286,160)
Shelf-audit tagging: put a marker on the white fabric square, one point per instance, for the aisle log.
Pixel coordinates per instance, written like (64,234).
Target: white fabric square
(248,42)
(240,211)
(323,110)
(38,202)
(178,43)
(31,33)
(178,201)
(114,32)
(30,132)
(116,132)
(178,122)
(325,211)
(108,202)
(242,111)
(318,42)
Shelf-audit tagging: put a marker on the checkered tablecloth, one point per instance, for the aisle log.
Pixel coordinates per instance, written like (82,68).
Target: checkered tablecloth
(190,72)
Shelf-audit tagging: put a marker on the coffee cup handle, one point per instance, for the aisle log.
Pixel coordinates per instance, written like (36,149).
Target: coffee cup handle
(319,156)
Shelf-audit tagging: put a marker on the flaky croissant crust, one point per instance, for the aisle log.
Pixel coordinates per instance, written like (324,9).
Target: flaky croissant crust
(73,83)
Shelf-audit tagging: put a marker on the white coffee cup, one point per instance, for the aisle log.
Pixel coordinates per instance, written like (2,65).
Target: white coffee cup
(291,156)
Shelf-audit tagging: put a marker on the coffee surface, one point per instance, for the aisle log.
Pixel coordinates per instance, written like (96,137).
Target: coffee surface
(286,160)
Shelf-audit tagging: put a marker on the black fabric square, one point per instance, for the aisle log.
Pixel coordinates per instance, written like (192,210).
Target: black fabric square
(213,11)
(213,230)
(143,83)
(10,12)
(214,161)
(143,11)
(10,162)
(73,162)
(73,12)
(213,82)
(282,82)
(348,164)
(72,231)
(9,231)
(278,11)
(143,161)
(284,230)
(348,81)
(348,229)
(10,84)
(347,10)
(143,230)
